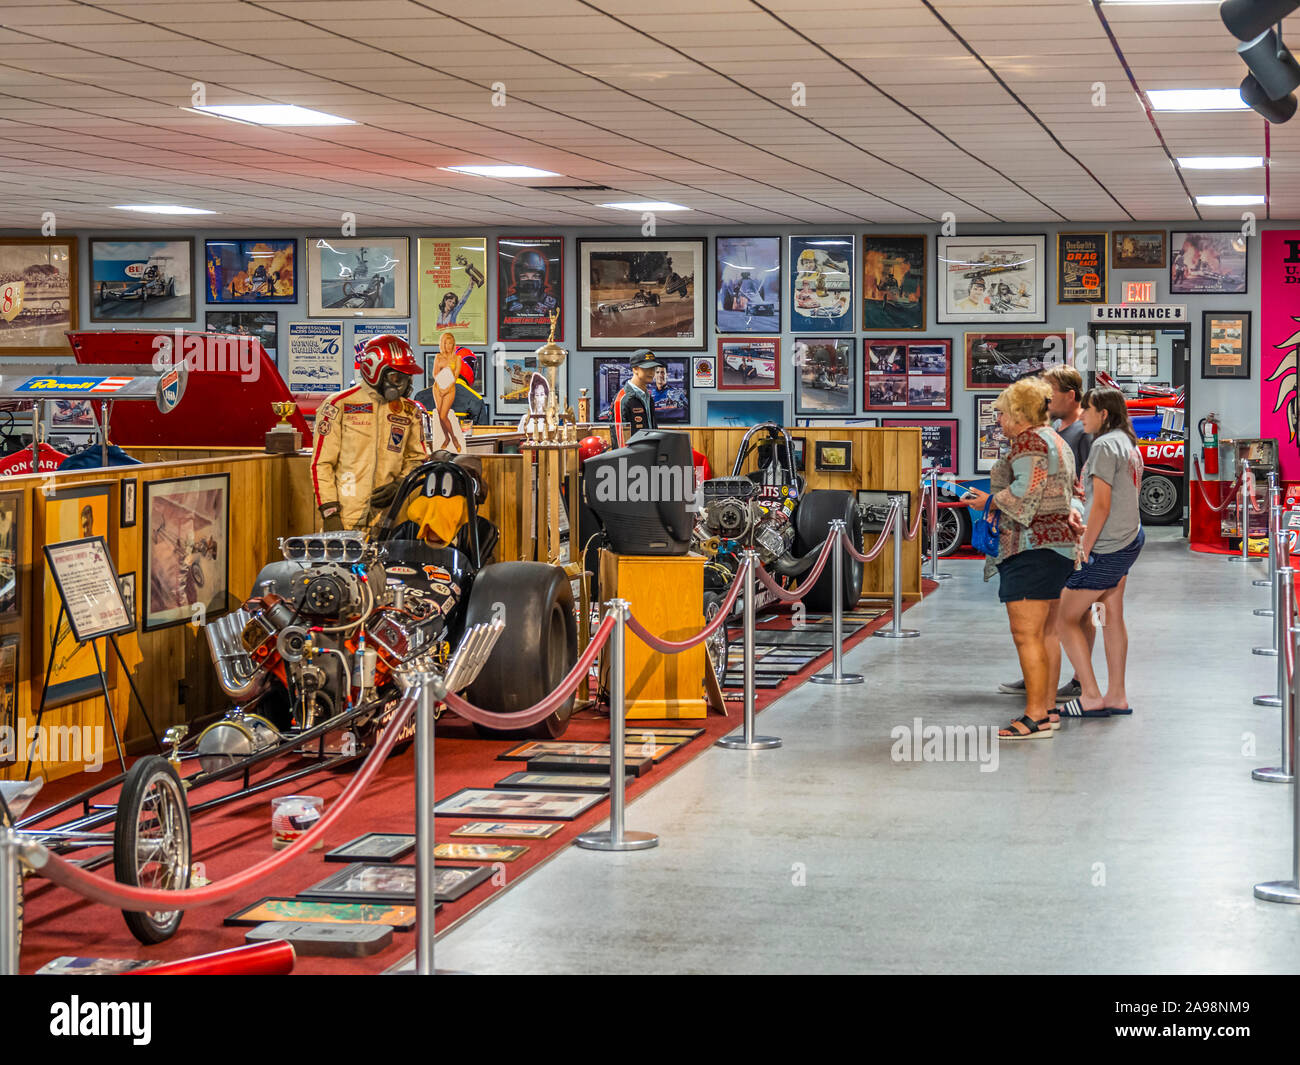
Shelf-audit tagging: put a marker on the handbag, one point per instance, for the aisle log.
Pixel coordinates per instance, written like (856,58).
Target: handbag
(984,532)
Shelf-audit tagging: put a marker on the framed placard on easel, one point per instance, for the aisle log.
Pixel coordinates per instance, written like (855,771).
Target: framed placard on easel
(87,583)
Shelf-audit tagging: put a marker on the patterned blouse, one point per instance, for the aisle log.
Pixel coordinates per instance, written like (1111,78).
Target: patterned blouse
(1032,486)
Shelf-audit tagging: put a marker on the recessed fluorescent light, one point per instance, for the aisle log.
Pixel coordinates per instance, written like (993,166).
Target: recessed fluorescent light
(1196,100)
(645,205)
(1229,201)
(160,208)
(501,171)
(273,114)
(1153,3)
(1221,162)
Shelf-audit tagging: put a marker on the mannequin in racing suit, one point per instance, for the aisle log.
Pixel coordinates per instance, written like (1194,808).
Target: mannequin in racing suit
(368,437)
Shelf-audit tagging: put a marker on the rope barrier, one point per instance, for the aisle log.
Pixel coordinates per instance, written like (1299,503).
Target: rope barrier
(672,647)
(805,584)
(539,711)
(916,526)
(60,871)
(882,538)
(1200,485)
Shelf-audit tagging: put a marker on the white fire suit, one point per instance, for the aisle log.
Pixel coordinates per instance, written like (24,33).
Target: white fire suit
(363,443)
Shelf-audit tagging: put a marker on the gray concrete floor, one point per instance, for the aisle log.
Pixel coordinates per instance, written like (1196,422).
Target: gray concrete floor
(1126,845)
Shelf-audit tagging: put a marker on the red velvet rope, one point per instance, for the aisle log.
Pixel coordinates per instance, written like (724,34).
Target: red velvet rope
(882,538)
(916,525)
(1200,485)
(805,583)
(97,889)
(672,647)
(549,704)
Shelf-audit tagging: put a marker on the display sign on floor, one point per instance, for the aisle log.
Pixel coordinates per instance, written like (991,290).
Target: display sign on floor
(316,357)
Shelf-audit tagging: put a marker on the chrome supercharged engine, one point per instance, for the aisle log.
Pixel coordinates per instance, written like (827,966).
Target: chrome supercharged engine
(738,512)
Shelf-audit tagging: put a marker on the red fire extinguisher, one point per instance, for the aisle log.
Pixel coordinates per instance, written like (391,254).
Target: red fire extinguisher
(1209,430)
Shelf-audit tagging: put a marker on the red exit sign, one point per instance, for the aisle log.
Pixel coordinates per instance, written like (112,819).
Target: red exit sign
(1139,292)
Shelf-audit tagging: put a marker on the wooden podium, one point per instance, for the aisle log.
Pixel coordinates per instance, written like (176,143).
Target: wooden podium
(667,596)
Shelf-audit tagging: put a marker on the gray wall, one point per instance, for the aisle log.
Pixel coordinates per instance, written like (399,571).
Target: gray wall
(1236,402)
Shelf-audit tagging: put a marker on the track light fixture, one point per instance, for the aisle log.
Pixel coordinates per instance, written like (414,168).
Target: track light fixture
(1247,19)
(1272,64)
(1274,111)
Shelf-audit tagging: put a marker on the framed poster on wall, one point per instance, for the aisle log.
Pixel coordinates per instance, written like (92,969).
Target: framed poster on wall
(995,360)
(748,285)
(452,289)
(1225,344)
(821,284)
(186,563)
(992,280)
(359,277)
(12,579)
(749,362)
(670,390)
(251,271)
(907,374)
(938,441)
(743,413)
(530,288)
(1207,263)
(1138,249)
(264,325)
(1081,268)
(823,382)
(893,282)
(642,293)
(989,438)
(142,280)
(38,295)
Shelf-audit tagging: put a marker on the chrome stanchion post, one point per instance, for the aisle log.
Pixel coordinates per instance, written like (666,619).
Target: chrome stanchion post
(1274,544)
(747,741)
(617,838)
(1288,890)
(836,675)
(9,873)
(1274,556)
(1285,629)
(431,690)
(895,632)
(1243,514)
(935,575)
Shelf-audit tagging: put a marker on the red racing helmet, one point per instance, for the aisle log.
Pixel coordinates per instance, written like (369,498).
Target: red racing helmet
(387,350)
(590,446)
(466,358)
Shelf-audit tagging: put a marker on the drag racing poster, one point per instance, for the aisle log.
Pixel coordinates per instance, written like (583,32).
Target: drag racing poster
(359,277)
(452,289)
(1279,344)
(642,294)
(1081,267)
(821,284)
(364,331)
(316,357)
(530,287)
(992,279)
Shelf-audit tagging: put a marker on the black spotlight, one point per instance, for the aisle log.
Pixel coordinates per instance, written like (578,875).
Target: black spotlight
(1272,64)
(1274,111)
(1247,19)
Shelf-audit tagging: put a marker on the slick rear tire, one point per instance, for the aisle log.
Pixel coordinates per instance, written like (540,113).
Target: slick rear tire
(537,649)
(812,518)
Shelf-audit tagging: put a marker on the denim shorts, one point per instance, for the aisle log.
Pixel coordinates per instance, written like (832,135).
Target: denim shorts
(1037,574)
(1102,572)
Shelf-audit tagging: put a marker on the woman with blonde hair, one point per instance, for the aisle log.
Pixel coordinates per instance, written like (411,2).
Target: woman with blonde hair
(1032,486)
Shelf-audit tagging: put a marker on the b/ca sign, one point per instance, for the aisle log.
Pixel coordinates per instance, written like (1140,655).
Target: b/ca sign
(11,300)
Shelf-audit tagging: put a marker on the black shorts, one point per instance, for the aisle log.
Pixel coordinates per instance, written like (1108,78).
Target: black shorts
(1038,574)
(1102,572)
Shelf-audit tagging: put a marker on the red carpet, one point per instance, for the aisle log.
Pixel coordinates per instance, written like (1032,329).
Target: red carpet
(232,837)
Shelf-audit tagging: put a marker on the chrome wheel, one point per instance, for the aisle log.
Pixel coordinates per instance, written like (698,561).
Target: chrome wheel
(151,842)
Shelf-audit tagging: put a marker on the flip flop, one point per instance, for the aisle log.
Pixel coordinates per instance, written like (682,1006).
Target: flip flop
(1074,708)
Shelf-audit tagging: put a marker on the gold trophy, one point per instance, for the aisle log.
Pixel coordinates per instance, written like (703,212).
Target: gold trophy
(283,438)
(552,355)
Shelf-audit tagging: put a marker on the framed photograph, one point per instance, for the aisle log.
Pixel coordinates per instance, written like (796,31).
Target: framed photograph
(833,456)
(670,390)
(995,360)
(549,805)
(393,884)
(743,413)
(452,289)
(1081,268)
(513,375)
(374,847)
(522,752)
(747,291)
(73,414)
(279,908)
(906,374)
(641,293)
(595,782)
(800,453)
(359,277)
(824,381)
(634,764)
(893,282)
(79,512)
(264,325)
(478,852)
(186,567)
(875,508)
(251,271)
(705,372)
(993,280)
(88,588)
(639,734)
(126,584)
(989,438)
(505,830)
(821,284)
(808,423)
(1206,263)
(530,288)
(142,280)
(127,492)
(1225,344)
(9,648)
(1137,249)
(1127,354)
(749,363)
(38,295)
(938,441)
(11,576)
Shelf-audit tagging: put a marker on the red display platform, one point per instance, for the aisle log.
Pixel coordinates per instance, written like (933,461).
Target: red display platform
(227,402)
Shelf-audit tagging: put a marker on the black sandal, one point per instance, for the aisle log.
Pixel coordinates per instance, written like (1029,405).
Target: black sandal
(1038,730)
